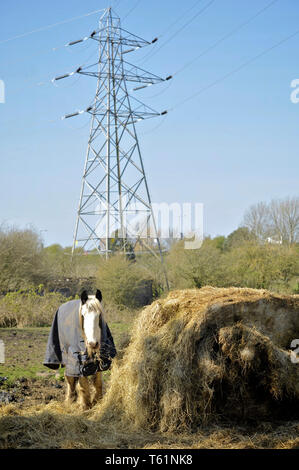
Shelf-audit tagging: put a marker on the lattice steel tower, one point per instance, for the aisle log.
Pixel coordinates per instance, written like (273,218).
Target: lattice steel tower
(114,196)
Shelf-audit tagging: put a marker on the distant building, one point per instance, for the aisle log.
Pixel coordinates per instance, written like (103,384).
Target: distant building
(276,242)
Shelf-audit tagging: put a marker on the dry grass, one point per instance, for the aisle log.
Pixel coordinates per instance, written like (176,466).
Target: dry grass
(55,426)
(206,368)
(29,308)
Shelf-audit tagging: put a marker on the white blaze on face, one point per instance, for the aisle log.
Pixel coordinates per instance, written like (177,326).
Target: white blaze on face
(91,323)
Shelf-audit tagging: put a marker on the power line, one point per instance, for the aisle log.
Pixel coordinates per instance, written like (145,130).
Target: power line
(226,36)
(132,9)
(202,10)
(116,3)
(42,52)
(155,127)
(235,70)
(162,91)
(30,83)
(171,25)
(179,18)
(44,28)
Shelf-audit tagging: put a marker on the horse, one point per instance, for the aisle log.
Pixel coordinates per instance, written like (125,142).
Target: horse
(80,340)
(89,320)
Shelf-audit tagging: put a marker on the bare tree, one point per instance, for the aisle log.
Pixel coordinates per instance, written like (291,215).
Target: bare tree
(21,258)
(277,221)
(257,220)
(285,219)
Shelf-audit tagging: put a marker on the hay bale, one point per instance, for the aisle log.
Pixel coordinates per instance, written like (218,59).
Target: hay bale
(203,354)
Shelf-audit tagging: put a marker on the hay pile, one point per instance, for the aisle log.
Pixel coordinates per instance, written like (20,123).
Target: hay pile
(205,354)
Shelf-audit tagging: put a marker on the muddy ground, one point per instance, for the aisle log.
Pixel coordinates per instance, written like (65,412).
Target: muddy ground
(23,378)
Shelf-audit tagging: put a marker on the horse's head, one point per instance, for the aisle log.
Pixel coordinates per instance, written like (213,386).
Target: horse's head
(90,319)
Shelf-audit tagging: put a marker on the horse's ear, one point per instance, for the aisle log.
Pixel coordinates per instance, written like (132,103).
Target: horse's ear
(84,297)
(99,295)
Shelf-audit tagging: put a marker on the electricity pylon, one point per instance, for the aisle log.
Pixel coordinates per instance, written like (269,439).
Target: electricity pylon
(114,199)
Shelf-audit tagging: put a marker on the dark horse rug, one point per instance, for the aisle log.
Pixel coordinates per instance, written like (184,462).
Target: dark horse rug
(66,345)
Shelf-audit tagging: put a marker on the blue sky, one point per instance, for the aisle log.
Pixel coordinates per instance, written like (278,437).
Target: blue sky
(233,145)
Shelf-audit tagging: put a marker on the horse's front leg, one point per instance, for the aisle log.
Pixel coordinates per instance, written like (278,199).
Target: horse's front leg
(83,393)
(70,396)
(98,385)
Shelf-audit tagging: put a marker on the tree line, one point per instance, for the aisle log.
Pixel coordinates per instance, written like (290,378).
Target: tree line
(262,253)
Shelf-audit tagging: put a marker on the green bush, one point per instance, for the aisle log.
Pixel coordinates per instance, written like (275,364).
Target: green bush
(195,268)
(246,264)
(261,266)
(123,282)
